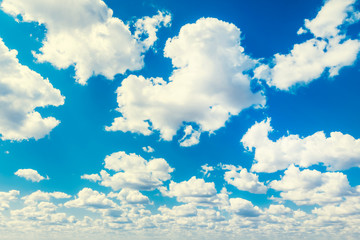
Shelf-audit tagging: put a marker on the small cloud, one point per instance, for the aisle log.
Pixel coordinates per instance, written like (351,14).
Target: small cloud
(206,170)
(30,174)
(148,149)
(91,177)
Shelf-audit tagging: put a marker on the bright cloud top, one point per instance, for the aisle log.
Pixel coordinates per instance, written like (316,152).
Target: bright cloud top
(75,29)
(337,152)
(309,187)
(328,50)
(208,85)
(243,180)
(21,92)
(195,191)
(30,174)
(133,172)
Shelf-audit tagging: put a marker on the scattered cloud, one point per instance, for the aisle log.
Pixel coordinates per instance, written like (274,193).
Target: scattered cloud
(134,172)
(130,196)
(148,149)
(337,152)
(330,49)
(22,91)
(209,84)
(308,187)
(195,191)
(75,29)
(91,199)
(245,181)
(30,174)
(6,198)
(206,169)
(243,208)
(40,196)
(91,177)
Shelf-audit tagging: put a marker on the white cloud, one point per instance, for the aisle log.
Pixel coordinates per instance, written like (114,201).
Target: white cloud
(195,191)
(40,196)
(209,84)
(186,210)
(337,152)
(6,198)
(148,149)
(331,16)
(206,170)
(243,207)
(245,181)
(130,196)
(309,187)
(22,91)
(91,177)
(30,174)
(79,29)
(134,172)
(88,198)
(328,50)
(149,26)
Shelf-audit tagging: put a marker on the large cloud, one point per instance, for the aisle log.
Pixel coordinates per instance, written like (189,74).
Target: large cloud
(329,49)
(132,172)
(84,33)
(21,92)
(209,84)
(337,152)
(312,187)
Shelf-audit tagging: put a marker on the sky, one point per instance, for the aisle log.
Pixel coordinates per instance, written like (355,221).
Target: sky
(161,119)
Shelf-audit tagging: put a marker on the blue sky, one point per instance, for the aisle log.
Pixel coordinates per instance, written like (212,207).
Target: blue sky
(146,119)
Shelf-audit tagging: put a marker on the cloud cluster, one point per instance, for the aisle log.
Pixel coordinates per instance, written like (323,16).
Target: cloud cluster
(131,171)
(337,152)
(6,198)
(85,34)
(330,49)
(244,180)
(21,92)
(309,187)
(90,199)
(30,174)
(209,84)
(40,196)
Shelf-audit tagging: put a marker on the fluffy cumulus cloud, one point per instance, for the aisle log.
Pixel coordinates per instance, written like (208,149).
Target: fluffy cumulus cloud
(91,177)
(243,207)
(209,84)
(85,34)
(88,198)
(130,196)
(186,210)
(6,198)
(330,49)
(244,180)
(195,191)
(309,187)
(40,196)
(30,174)
(133,172)
(337,152)
(21,92)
